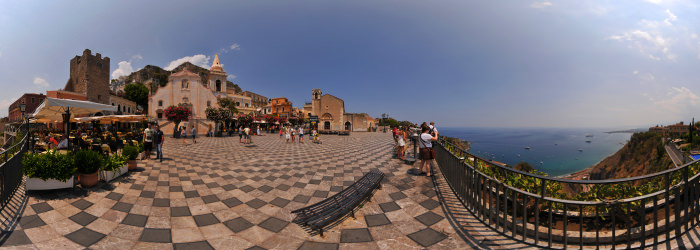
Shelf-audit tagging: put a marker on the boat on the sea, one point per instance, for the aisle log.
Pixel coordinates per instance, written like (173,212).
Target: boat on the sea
(527,148)
(589,135)
(580,150)
(589,141)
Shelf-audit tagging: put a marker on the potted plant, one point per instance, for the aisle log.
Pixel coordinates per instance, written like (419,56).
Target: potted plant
(114,166)
(48,171)
(130,153)
(88,162)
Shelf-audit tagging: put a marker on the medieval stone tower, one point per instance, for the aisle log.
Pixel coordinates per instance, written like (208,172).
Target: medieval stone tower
(89,75)
(217,76)
(316,102)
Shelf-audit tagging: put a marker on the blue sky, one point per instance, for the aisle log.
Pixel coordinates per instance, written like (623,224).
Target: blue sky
(459,63)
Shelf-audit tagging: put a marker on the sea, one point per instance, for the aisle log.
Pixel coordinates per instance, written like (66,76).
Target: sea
(555,151)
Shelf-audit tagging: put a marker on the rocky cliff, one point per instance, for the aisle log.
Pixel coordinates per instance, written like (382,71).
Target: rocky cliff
(643,154)
(151,72)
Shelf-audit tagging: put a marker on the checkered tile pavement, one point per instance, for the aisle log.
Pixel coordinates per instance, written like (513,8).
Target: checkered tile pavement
(221,194)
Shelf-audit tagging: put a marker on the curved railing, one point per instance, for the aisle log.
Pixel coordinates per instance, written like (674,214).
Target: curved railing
(624,213)
(11,170)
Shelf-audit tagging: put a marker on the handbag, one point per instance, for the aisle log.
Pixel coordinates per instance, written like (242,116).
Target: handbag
(432,151)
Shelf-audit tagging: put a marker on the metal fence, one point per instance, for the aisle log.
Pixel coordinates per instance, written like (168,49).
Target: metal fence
(11,170)
(619,213)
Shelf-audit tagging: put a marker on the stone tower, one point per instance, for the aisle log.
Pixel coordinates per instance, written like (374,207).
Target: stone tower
(89,75)
(316,102)
(217,76)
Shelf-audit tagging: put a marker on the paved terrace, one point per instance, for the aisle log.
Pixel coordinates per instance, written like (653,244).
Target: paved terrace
(221,194)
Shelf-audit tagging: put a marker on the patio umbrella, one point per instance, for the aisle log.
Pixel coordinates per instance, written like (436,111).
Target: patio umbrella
(52,108)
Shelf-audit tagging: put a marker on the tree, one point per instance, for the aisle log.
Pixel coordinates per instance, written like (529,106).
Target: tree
(245,119)
(138,93)
(177,114)
(228,103)
(218,115)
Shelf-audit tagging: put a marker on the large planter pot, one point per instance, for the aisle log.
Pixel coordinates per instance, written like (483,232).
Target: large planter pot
(88,180)
(49,184)
(132,164)
(109,175)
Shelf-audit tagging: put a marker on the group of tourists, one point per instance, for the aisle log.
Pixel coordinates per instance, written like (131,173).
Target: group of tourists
(428,135)
(245,134)
(153,137)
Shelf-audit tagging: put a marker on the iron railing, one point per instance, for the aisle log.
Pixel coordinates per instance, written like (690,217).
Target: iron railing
(533,208)
(11,170)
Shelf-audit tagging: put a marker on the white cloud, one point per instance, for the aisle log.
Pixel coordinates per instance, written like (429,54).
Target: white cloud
(671,18)
(137,57)
(231,77)
(235,46)
(199,60)
(539,5)
(41,83)
(124,69)
(648,43)
(635,72)
(679,100)
(4,104)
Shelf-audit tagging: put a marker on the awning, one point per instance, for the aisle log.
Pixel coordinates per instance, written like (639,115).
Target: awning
(107,119)
(52,108)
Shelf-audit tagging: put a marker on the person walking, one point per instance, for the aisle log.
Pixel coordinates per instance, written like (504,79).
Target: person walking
(194,134)
(148,141)
(301,134)
(425,142)
(158,141)
(281,133)
(293,132)
(246,135)
(401,145)
(286,133)
(184,135)
(240,134)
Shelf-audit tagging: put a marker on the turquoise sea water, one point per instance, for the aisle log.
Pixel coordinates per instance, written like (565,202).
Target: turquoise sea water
(553,151)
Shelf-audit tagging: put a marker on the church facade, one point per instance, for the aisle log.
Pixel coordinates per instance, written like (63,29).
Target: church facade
(331,114)
(185,88)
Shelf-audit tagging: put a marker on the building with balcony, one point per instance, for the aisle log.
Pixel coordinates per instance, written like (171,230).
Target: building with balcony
(281,107)
(14,114)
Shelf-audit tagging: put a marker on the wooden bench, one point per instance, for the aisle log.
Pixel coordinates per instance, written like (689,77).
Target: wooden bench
(323,213)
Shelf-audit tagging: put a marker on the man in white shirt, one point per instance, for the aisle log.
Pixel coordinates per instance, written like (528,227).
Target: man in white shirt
(433,129)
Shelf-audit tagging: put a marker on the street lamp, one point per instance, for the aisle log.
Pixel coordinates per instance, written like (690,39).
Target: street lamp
(23,109)
(384,116)
(66,125)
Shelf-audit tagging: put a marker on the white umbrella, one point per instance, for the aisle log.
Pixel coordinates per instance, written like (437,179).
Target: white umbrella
(52,108)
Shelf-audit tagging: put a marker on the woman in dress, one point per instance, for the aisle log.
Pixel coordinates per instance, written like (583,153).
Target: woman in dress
(401,144)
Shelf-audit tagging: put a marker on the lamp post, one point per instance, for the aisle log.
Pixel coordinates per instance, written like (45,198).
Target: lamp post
(23,109)
(66,125)
(384,116)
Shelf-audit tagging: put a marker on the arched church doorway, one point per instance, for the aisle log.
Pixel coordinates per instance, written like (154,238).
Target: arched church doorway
(348,126)
(327,125)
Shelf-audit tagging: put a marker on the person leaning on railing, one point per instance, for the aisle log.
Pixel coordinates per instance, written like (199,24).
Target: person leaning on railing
(425,142)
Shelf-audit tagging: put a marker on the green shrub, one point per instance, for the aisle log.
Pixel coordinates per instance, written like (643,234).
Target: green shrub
(130,152)
(141,148)
(50,165)
(88,161)
(113,163)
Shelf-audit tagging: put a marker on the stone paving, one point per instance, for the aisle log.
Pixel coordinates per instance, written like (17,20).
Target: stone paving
(221,194)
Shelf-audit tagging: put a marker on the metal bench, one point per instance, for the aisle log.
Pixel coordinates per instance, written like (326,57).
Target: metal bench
(323,213)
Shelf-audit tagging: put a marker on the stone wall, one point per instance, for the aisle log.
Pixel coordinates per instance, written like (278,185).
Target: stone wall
(89,75)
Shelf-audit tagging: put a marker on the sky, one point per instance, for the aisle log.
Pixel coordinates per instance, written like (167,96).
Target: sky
(612,64)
